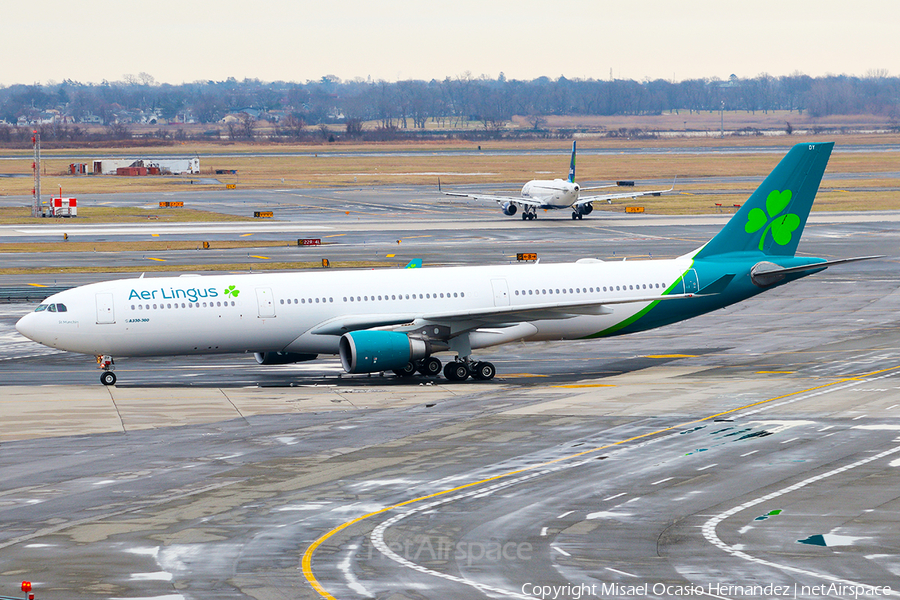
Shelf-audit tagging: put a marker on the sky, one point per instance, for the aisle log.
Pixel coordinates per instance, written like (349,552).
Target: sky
(46,41)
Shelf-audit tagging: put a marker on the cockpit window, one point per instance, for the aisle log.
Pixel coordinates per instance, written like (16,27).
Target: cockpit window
(41,308)
(52,308)
(61,308)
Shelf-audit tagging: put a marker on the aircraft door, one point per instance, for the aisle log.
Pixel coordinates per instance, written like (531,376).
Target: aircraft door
(105,312)
(691,283)
(266,302)
(501,292)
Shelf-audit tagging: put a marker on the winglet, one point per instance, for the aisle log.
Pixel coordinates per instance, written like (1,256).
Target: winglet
(572,165)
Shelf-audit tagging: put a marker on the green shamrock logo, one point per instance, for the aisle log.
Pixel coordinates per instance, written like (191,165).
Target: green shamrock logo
(782,226)
(232,291)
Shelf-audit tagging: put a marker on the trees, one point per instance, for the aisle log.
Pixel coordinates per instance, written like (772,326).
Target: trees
(453,102)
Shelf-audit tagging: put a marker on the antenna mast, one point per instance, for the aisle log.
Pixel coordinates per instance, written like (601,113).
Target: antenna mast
(36,167)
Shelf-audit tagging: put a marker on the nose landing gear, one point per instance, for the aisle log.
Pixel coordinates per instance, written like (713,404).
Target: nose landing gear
(106,363)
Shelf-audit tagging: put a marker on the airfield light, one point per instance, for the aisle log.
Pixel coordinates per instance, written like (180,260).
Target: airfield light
(26,586)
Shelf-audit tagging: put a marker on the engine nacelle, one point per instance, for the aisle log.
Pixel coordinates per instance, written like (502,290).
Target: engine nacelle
(510,209)
(373,351)
(586,209)
(282,358)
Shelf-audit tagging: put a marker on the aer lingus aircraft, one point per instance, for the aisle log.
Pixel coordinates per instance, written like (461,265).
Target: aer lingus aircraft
(554,194)
(396,320)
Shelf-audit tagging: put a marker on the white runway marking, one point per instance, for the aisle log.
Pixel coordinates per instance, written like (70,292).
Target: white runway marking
(709,528)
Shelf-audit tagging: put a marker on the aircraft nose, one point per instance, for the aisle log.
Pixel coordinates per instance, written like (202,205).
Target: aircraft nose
(27,326)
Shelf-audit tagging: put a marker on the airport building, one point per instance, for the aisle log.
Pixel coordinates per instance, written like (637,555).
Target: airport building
(156,166)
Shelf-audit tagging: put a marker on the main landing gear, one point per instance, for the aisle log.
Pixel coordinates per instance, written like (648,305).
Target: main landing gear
(529,215)
(577,215)
(429,367)
(460,370)
(456,370)
(106,363)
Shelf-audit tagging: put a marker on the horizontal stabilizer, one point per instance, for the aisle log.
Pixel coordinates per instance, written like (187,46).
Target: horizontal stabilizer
(766,273)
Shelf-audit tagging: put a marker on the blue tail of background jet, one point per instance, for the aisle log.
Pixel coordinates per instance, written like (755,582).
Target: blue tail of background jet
(771,222)
(572,165)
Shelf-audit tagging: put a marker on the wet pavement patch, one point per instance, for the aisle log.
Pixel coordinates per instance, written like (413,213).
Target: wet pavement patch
(771,513)
(814,540)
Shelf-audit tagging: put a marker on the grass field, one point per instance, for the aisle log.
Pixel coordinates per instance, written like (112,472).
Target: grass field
(21,215)
(229,267)
(266,167)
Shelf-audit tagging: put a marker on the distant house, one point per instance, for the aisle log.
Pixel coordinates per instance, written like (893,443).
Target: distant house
(238,115)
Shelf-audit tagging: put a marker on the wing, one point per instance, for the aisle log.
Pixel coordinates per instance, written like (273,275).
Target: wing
(495,316)
(620,195)
(498,199)
(501,200)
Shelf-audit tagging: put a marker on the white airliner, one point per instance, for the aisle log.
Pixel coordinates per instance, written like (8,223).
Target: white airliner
(396,320)
(556,194)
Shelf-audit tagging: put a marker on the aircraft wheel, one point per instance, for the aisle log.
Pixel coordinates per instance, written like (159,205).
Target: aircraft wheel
(574,216)
(524,216)
(430,366)
(456,371)
(408,371)
(483,371)
(108,378)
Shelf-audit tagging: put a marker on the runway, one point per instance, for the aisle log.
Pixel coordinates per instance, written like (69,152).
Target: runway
(702,459)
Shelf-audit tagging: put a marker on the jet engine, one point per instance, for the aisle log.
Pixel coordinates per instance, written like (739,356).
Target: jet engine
(372,351)
(509,209)
(282,358)
(586,208)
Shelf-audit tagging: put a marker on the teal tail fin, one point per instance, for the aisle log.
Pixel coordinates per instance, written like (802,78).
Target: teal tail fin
(771,221)
(415,263)
(572,165)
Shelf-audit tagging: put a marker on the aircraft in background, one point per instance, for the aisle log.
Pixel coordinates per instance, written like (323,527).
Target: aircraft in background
(397,320)
(556,194)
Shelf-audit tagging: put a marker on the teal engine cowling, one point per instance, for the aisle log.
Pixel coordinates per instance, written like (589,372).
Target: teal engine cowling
(282,358)
(373,351)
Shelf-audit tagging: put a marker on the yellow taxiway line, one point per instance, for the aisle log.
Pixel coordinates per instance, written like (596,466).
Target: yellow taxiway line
(306,563)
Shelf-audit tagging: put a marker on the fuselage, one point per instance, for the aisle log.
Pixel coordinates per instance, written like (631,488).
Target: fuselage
(558,193)
(306,312)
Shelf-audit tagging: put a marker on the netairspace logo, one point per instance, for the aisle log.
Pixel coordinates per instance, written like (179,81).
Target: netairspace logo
(576,591)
